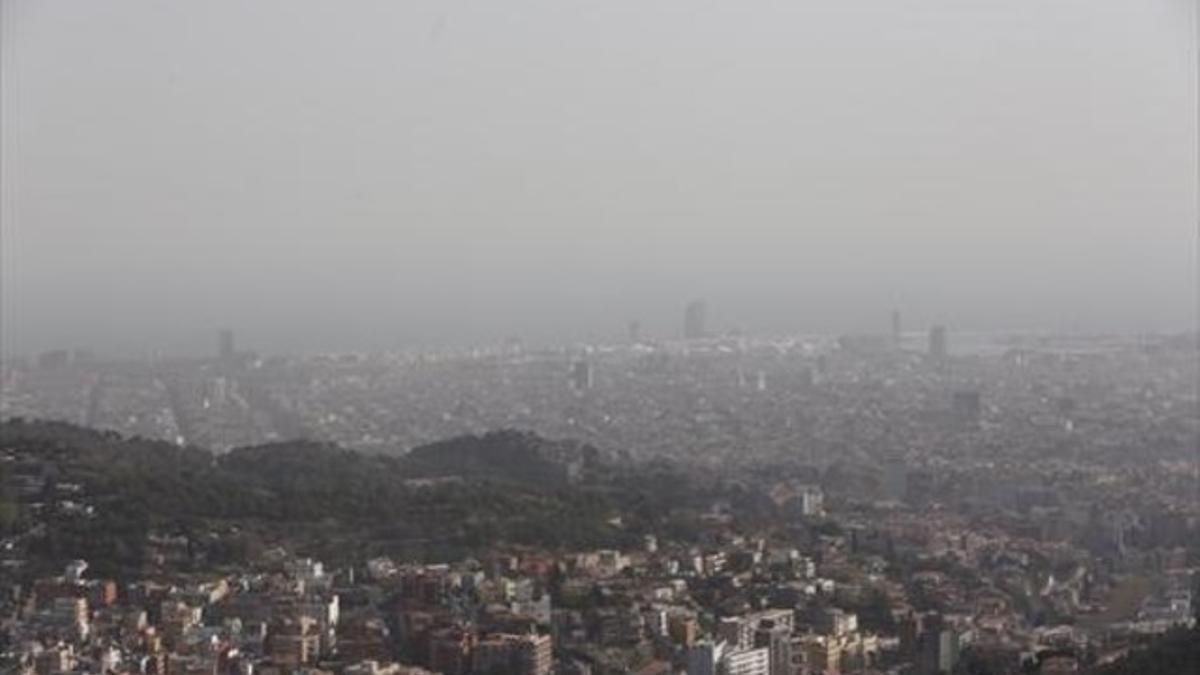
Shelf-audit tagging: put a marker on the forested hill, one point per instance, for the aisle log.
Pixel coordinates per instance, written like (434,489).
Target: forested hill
(454,495)
(503,457)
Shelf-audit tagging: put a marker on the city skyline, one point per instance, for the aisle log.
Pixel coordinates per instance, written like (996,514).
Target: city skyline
(532,337)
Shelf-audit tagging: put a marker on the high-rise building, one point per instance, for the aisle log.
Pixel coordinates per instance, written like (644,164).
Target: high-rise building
(812,501)
(694,317)
(896,329)
(225,349)
(938,646)
(535,655)
(778,641)
(635,332)
(895,478)
(704,658)
(581,375)
(919,485)
(836,622)
(822,655)
(293,641)
(450,650)
(739,631)
(937,343)
(517,654)
(909,629)
(968,406)
(747,662)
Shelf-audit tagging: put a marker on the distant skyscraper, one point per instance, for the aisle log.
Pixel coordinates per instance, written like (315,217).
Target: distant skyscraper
(896,331)
(937,342)
(968,406)
(635,331)
(938,645)
(694,318)
(812,501)
(895,478)
(513,345)
(225,348)
(918,487)
(581,376)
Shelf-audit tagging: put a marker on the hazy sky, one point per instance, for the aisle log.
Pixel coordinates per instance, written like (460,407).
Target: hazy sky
(343,175)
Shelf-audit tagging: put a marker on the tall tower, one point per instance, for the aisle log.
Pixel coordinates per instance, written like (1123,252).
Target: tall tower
(581,377)
(896,331)
(694,317)
(225,350)
(937,343)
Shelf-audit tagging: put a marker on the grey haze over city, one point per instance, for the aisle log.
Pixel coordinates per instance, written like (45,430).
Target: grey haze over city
(600,337)
(376,175)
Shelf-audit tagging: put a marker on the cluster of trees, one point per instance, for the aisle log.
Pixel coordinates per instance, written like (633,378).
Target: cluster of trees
(354,503)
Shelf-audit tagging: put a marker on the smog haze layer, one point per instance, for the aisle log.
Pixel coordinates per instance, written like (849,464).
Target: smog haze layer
(374,175)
